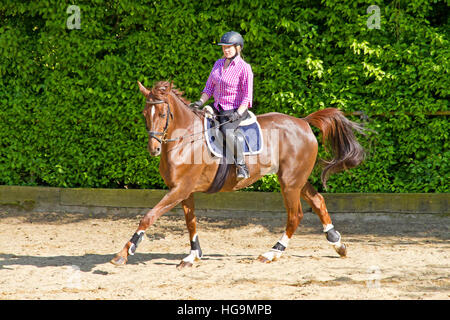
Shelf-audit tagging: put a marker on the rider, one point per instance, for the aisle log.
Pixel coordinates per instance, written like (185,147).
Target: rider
(231,84)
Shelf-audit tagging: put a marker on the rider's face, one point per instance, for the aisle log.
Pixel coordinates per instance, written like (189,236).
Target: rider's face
(229,51)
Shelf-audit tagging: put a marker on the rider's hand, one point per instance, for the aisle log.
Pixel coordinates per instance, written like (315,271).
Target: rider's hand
(234,116)
(196,104)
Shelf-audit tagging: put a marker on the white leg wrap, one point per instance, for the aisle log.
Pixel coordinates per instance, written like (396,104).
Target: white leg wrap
(272,254)
(336,244)
(195,255)
(276,253)
(135,240)
(195,251)
(284,240)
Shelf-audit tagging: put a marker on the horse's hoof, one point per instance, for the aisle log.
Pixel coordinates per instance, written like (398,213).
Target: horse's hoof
(342,250)
(119,261)
(263,259)
(184,264)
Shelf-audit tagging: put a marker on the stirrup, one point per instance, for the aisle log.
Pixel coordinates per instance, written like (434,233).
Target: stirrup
(242,172)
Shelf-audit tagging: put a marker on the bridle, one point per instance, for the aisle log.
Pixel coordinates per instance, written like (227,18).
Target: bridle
(154,134)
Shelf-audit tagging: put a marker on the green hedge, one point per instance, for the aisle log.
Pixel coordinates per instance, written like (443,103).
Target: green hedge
(70,108)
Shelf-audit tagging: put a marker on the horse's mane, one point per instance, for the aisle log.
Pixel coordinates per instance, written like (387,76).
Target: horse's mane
(162,85)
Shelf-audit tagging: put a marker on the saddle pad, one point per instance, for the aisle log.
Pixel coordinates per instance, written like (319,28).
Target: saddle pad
(251,129)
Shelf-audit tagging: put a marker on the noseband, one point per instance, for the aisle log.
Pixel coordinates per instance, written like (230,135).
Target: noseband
(154,134)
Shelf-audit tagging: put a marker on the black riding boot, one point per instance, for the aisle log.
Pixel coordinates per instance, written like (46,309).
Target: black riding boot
(234,143)
(242,170)
(235,153)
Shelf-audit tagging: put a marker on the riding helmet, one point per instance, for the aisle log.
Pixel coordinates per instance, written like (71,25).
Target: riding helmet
(232,38)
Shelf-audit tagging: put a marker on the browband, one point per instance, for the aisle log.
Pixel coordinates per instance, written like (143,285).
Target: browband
(155,102)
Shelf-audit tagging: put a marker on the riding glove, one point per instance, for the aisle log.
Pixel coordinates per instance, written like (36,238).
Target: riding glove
(196,104)
(234,116)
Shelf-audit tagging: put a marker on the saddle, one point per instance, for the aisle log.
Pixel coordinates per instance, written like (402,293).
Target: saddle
(249,129)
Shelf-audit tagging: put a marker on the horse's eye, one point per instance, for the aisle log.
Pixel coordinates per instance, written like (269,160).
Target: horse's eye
(162,115)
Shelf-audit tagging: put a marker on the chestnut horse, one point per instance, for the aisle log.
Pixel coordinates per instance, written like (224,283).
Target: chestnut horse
(176,134)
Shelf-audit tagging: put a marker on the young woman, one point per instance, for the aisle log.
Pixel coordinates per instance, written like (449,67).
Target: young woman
(231,84)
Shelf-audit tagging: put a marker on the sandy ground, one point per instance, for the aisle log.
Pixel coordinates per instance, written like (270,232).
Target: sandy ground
(66,256)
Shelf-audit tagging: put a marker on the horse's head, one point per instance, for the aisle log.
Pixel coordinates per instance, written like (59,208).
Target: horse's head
(157,114)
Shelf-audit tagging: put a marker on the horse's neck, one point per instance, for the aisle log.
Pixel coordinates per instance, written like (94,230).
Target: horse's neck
(182,124)
(183,118)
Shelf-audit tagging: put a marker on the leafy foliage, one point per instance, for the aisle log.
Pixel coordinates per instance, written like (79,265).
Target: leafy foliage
(71,111)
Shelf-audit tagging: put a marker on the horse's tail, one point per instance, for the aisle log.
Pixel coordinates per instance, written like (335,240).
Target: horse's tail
(337,132)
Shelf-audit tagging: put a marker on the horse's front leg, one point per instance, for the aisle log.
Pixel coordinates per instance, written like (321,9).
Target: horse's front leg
(170,200)
(191,223)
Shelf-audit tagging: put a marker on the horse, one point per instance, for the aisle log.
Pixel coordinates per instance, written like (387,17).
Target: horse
(176,134)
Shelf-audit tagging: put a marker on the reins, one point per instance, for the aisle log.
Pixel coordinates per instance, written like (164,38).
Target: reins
(163,139)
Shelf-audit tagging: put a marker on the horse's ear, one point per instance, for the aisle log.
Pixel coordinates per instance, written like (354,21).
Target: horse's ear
(143,89)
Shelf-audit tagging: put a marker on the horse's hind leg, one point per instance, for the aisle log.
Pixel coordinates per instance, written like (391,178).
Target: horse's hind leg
(191,223)
(293,206)
(317,203)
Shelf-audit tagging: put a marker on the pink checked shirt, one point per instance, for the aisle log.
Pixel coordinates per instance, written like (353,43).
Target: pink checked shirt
(231,87)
